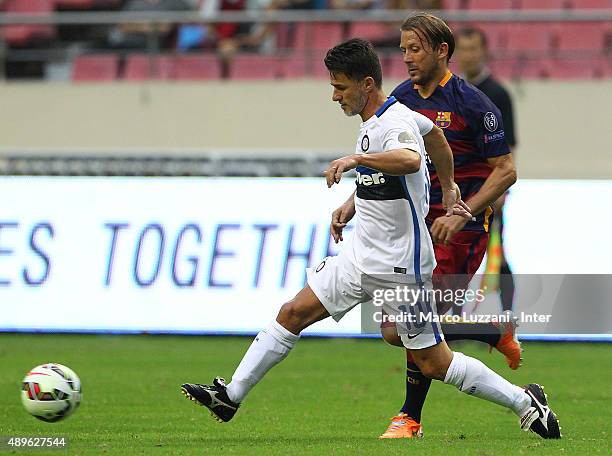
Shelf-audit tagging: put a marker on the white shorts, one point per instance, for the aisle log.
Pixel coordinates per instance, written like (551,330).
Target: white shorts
(340,286)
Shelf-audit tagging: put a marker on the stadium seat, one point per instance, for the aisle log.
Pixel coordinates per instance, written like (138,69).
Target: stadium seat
(87,4)
(22,35)
(197,67)
(316,35)
(254,67)
(574,69)
(491,4)
(141,67)
(296,65)
(496,33)
(576,36)
(395,68)
(529,37)
(95,67)
(454,4)
(545,4)
(368,30)
(599,4)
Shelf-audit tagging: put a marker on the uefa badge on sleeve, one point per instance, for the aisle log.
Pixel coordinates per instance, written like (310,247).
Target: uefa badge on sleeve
(490,121)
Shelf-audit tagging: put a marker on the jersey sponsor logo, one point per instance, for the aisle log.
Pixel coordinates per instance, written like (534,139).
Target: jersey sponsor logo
(370,179)
(494,137)
(490,121)
(406,137)
(443,119)
(365,143)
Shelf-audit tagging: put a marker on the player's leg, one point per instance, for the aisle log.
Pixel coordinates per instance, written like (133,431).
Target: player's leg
(269,348)
(472,377)
(506,280)
(334,288)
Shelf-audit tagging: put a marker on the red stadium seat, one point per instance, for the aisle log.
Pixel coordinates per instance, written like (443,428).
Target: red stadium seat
(496,33)
(574,69)
(576,36)
(197,67)
(87,4)
(141,67)
(255,67)
(317,35)
(369,30)
(491,4)
(545,4)
(95,67)
(529,37)
(454,4)
(599,4)
(296,65)
(21,35)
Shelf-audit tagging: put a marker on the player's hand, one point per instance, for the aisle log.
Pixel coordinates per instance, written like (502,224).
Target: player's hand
(444,228)
(333,173)
(453,204)
(340,218)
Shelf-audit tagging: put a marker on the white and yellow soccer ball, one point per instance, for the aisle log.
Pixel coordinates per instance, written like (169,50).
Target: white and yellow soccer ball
(51,392)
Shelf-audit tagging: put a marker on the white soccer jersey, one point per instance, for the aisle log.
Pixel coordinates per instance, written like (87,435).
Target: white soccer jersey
(391,236)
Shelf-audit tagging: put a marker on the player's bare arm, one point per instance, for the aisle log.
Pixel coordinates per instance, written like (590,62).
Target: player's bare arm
(441,156)
(501,178)
(396,162)
(341,217)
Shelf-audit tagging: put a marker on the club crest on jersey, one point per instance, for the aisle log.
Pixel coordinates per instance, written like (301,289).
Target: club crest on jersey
(490,121)
(365,143)
(443,119)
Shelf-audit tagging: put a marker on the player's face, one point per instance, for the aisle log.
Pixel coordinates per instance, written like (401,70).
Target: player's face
(421,61)
(470,54)
(351,95)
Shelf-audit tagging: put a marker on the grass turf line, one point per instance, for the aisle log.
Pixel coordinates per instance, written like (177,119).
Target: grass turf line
(328,397)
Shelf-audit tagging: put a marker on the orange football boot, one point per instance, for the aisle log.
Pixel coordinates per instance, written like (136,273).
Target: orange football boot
(403,427)
(508,344)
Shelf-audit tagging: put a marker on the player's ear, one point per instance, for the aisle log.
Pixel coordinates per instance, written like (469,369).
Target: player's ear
(443,51)
(369,83)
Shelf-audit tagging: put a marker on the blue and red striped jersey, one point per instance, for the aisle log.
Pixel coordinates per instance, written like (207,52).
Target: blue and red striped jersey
(474,129)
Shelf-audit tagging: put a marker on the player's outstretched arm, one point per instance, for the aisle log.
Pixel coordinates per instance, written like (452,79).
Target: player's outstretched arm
(341,217)
(396,162)
(502,177)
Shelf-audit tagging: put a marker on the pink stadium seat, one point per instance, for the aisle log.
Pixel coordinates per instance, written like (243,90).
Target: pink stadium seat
(574,69)
(197,67)
(491,4)
(369,30)
(519,69)
(599,4)
(95,68)
(317,35)
(141,67)
(454,4)
(581,36)
(545,4)
(254,67)
(396,69)
(20,35)
(296,65)
(87,4)
(496,33)
(529,37)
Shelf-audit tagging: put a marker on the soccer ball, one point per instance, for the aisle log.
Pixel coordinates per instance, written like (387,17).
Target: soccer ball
(51,392)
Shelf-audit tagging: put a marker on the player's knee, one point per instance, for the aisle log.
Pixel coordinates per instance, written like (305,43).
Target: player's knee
(291,317)
(432,369)
(390,335)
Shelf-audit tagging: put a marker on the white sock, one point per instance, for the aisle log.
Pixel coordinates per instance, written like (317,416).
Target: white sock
(473,377)
(269,348)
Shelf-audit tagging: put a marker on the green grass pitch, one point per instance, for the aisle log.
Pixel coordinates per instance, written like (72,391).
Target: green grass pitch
(330,396)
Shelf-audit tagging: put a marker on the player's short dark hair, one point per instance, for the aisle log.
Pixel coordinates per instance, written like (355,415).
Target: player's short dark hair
(356,59)
(470,31)
(433,29)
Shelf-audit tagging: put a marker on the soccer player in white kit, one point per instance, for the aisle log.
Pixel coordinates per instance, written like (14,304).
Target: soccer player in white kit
(390,246)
